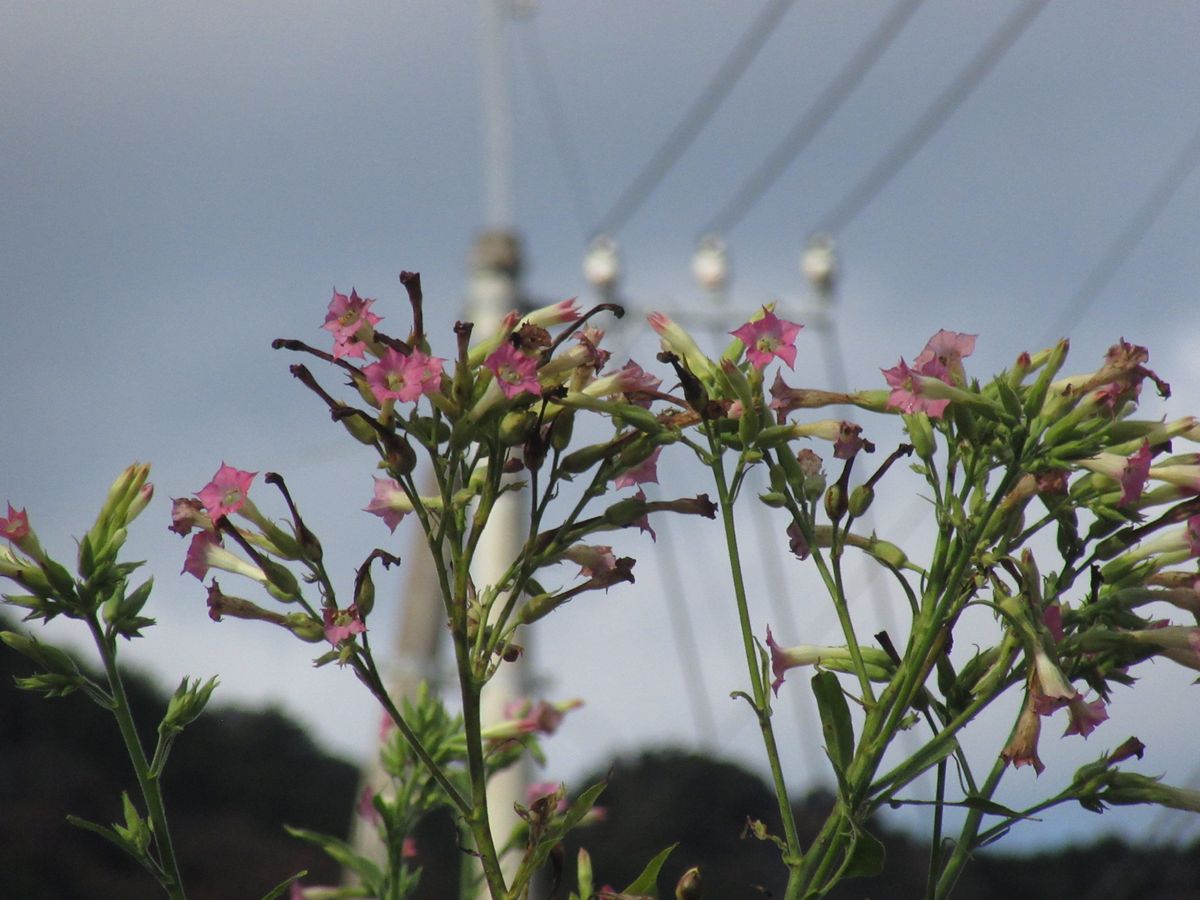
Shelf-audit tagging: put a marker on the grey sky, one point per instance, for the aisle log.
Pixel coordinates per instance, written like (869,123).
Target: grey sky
(179,184)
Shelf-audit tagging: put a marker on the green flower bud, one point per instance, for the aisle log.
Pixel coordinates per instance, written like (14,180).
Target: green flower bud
(860,500)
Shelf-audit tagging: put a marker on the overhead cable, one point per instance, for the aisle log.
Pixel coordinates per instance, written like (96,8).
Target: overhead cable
(698,114)
(1127,239)
(853,203)
(814,119)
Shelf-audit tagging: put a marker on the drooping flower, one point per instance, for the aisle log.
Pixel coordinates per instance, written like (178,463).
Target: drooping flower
(769,336)
(1048,686)
(404,377)
(14,526)
(797,543)
(515,372)
(1085,716)
(349,320)
(943,355)
(391,503)
(187,514)
(226,493)
(910,391)
(645,472)
(342,624)
(1022,747)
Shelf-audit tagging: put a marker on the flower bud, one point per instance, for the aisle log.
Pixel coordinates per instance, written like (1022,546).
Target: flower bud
(835,502)
(688,886)
(920,433)
(860,499)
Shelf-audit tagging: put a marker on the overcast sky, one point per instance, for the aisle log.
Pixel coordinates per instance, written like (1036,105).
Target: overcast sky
(179,184)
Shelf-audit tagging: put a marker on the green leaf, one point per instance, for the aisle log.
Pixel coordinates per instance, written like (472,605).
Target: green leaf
(866,856)
(647,882)
(835,719)
(279,889)
(342,853)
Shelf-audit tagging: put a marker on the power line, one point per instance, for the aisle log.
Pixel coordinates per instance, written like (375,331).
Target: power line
(685,132)
(1128,238)
(840,215)
(813,120)
(565,147)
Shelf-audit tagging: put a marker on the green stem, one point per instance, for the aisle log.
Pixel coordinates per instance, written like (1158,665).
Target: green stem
(967,837)
(168,866)
(762,704)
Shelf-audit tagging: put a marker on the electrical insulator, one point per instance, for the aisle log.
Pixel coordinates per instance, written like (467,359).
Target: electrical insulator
(602,264)
(819,264)
(710,264)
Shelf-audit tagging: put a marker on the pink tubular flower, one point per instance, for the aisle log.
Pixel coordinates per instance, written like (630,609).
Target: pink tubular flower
(679,342)
(592,559)
(349,320)
(15,526)
(515,372)
(206,551)
(1085,716)
(561,313)
(342,624)
(390,502)
(1131,472)
(769,336)
(397,376)
(943,355)
(226,493)
(522,717)
(645,472)
(631,380)
(909,392)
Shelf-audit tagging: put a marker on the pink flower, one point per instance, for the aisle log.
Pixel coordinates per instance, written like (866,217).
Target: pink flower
(226,493)
(342,624)
(524,717)
(15,526)
(943,355)
(515,372)
(631,380)
(397,376)
(592,559)
(1131,472)
(909,392)
(769,336)
(560,313)
(206,551)
(390,502)
(1085,716)
(349,319)
(643,473)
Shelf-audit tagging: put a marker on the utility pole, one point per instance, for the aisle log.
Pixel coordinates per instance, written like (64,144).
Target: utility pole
(494,270)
